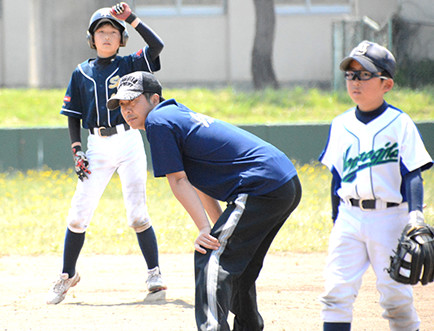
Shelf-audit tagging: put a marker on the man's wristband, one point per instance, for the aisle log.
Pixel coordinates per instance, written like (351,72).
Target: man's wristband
(130,19)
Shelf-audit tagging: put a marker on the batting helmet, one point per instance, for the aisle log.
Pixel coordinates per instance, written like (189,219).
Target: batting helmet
(101,16)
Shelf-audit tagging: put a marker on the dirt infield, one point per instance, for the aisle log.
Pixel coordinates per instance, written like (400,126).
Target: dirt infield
(111,295)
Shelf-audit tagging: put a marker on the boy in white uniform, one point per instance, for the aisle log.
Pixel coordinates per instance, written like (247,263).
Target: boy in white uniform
(376,156)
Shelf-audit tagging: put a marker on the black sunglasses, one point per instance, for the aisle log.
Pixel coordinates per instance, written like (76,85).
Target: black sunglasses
(361,75)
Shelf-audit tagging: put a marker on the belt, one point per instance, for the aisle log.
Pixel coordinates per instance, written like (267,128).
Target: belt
(364,204)
(110,131)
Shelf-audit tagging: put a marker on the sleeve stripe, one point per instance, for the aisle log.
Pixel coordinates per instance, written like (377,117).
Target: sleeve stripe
(70,111)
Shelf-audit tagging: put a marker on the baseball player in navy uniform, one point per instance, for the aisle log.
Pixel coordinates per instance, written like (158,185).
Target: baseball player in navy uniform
(376,155)
(112,144)
(206,161)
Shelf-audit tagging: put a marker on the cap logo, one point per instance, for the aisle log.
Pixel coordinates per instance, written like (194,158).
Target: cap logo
(362,49)
(106,14)
(128,81)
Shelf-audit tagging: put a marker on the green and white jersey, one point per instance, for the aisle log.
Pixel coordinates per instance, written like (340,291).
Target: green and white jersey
(372,158)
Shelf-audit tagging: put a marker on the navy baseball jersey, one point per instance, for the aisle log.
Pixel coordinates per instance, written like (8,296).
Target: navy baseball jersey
(89,78)
(219,159)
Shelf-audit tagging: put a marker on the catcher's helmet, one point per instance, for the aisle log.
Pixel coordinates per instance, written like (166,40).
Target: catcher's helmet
(103,15)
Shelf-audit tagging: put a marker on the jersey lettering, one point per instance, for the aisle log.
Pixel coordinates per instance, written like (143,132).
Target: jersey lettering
(201,119)
(113,82)
(386,154)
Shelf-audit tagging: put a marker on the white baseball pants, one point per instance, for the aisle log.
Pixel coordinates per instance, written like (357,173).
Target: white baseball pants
(359,239)
(125,153)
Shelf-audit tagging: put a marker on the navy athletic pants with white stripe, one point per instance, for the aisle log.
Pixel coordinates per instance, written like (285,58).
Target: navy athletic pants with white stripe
(225,278)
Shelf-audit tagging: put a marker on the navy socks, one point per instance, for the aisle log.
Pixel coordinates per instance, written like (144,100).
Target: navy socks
(148,245)
(75,241)
(73,244)
(328,326)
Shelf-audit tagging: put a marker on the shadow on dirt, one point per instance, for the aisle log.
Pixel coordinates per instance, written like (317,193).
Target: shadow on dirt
(152,299)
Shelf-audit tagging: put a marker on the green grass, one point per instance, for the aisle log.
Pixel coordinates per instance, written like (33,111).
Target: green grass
(34,207)
(34,204)
(36,108)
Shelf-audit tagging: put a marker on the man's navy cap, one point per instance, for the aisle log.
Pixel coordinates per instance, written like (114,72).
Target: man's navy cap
(134,84)
(372,57)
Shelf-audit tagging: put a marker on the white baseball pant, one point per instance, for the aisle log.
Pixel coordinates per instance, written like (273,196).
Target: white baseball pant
(360,238)
(125,153)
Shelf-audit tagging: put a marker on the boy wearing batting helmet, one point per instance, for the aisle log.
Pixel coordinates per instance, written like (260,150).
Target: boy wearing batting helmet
(205,161)
(112,144)
(376,155)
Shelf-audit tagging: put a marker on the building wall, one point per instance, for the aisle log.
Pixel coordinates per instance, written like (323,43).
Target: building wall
(15,42)
(43,40)
(303,51)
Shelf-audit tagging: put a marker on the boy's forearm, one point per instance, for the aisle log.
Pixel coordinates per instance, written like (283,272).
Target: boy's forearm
(413,184)
(74,131)
(154,42)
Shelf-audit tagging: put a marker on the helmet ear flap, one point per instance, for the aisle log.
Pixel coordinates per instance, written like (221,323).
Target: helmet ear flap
(90,40)
(124,39)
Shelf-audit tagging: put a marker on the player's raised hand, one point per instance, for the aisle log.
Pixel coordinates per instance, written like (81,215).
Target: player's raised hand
(81,163)
(121,11)
(205,240)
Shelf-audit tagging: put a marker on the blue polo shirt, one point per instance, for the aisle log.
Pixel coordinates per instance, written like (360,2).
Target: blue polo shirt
(219,159)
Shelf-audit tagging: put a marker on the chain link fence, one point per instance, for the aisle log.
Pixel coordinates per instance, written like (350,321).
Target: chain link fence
(411,42)
(413,46)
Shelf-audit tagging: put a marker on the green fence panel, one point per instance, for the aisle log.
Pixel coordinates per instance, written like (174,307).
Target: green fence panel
(35,148)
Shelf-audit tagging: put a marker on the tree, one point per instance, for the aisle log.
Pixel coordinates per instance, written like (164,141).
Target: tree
(262,53)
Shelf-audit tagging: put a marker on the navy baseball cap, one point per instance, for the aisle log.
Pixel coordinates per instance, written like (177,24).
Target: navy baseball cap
(372,57)
(134,84)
